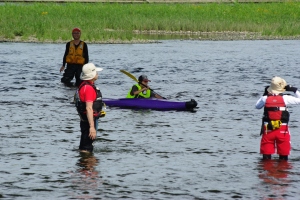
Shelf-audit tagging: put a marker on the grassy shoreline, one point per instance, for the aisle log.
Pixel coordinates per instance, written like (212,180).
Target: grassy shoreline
(143,23)
(213,36)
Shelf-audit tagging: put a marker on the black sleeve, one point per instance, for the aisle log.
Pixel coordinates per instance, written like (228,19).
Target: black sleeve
(133,89)
(66,53)
(86,53)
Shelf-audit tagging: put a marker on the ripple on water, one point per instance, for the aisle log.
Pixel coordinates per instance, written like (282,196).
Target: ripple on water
(209,154)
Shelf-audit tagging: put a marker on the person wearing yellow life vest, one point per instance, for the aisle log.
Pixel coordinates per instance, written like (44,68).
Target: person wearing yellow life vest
(142,90)
(275,131)
(76,55)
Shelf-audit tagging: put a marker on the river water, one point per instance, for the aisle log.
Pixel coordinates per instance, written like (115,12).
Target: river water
(142,154)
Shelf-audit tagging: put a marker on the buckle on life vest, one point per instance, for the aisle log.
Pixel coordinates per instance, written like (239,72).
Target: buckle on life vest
(282,108)
(277,109)
(274,124)
(102,113)
(99,114)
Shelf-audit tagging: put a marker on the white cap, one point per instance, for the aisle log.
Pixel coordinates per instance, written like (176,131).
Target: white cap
(89,71)
(277,85)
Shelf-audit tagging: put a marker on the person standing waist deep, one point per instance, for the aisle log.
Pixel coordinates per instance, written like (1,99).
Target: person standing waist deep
(275,131)
(76,55)
(88,100)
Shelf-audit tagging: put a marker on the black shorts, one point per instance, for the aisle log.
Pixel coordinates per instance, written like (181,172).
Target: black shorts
(71,71)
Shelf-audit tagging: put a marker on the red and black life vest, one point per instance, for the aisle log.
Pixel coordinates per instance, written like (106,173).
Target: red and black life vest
(81,106)
(275,109)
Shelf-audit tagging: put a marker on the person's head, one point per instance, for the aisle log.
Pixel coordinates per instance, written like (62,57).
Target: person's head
(76,32)
(144,79)
(89,72)
(277,85)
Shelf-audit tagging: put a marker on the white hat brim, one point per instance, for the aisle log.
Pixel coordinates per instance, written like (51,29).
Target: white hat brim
(91,75)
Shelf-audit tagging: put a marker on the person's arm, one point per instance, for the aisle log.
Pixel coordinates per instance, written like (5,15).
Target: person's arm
(292,99)
(135,91)
(158,96)
(297,94)
(155,95)
(64,58)
(261,102)
(90,117)
(88,97)
(85,53)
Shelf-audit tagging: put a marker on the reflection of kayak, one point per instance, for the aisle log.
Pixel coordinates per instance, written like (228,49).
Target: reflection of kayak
(154,104)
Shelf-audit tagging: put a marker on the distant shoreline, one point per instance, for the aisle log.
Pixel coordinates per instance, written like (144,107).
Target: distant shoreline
(149,1)
(204,36)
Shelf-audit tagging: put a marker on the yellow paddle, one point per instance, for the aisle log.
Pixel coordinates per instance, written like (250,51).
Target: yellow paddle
(130,75)
(136,80)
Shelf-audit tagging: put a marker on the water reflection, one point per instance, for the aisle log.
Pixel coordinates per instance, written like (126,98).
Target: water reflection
(87,164)
(275,177)
(87,180)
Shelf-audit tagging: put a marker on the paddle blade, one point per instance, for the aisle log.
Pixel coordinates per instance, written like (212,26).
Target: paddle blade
(130,75)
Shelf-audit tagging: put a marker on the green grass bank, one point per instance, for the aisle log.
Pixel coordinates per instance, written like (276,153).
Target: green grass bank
(121,23)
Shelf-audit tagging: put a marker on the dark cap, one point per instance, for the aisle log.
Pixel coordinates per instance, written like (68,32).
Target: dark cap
(143,78)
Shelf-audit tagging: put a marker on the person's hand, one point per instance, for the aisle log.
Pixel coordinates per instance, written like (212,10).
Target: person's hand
(291,88)
(266,91)
(62,68)
(145,88)
(92,134)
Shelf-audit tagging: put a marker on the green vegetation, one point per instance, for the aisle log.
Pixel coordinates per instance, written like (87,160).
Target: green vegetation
(105,21)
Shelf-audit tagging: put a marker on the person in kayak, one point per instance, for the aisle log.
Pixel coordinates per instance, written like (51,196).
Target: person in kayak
(142,90)
(88,102)
(76,55)
(275,131)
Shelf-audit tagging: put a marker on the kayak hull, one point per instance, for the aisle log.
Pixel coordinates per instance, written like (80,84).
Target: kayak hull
(151,103)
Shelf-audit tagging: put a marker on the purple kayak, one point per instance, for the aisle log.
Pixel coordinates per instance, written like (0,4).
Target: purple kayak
(154,104)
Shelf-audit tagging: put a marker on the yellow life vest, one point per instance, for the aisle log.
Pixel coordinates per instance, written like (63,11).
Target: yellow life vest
(140,95)
(75,55)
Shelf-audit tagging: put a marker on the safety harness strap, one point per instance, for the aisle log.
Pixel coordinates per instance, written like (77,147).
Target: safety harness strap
(276,109)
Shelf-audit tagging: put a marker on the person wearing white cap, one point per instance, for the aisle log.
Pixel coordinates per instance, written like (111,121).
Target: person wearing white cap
(88,101)
(275,131)
(76,55)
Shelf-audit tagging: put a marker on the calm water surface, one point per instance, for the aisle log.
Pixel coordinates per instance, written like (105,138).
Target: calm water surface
(210,154)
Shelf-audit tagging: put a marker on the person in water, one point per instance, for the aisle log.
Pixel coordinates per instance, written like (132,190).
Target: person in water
(76,55)
(142,90)
(88,101)
(275,131)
